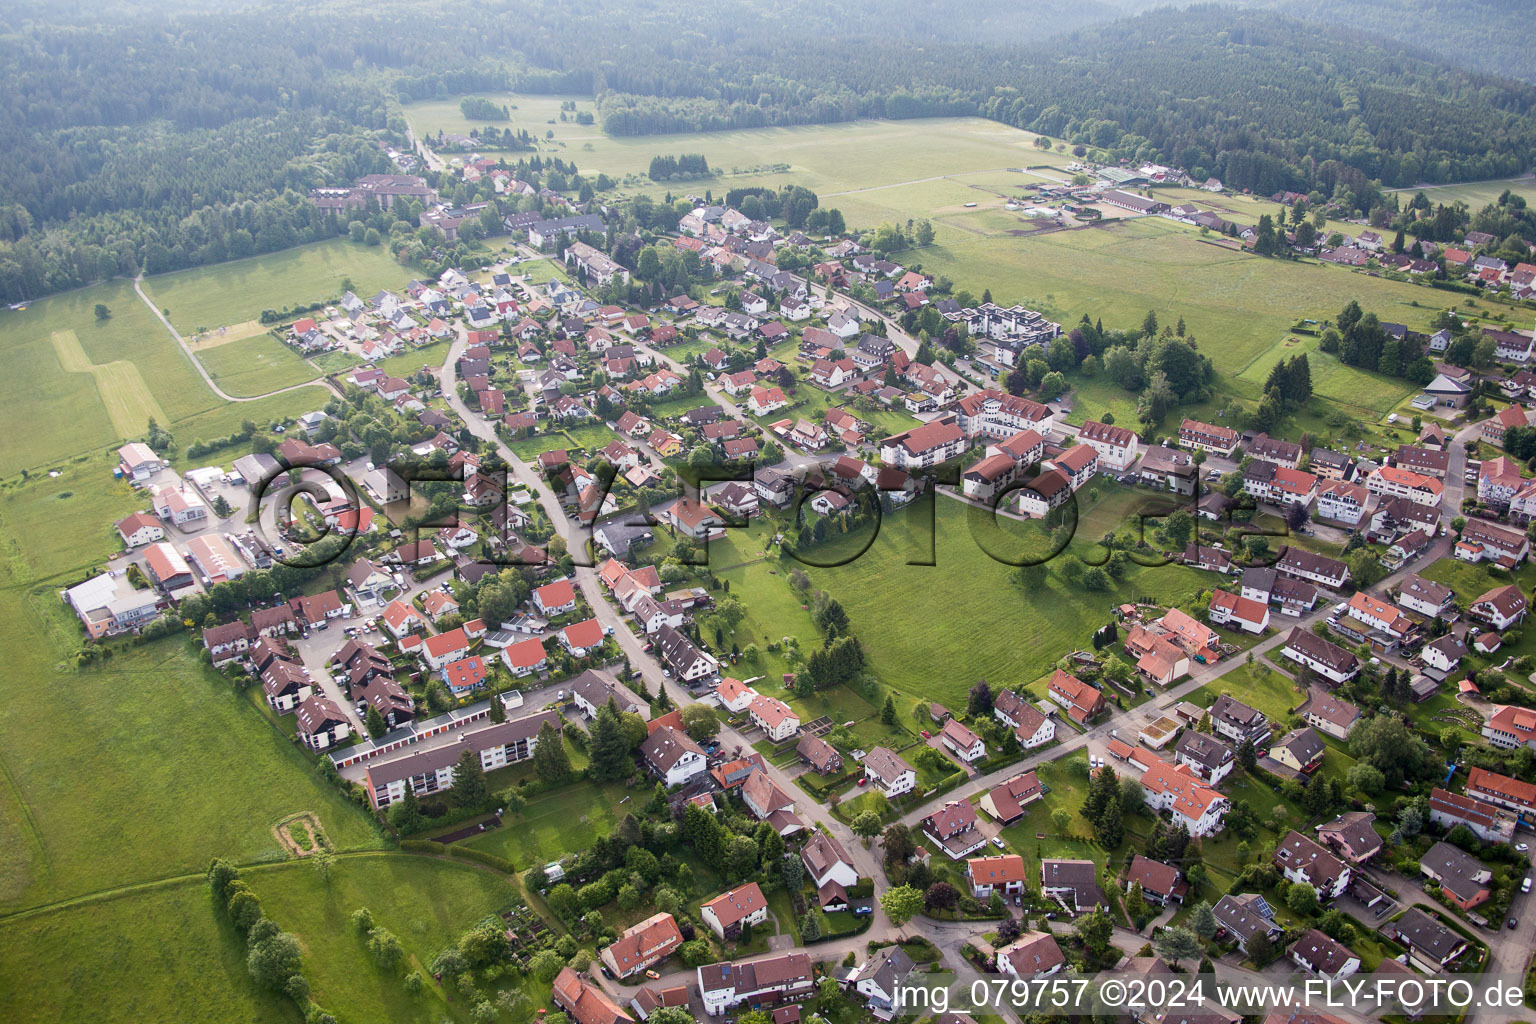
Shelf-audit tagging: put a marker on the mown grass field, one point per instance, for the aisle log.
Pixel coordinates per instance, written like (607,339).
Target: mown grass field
(230,293)
(825,158)
(905,614)
(65,398)
(1344,385)
(256,366)
(1477,194)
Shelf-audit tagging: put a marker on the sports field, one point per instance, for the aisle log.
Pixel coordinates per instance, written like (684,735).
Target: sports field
(232,293)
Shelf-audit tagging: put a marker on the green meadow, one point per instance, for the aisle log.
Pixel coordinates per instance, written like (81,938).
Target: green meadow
(204,298)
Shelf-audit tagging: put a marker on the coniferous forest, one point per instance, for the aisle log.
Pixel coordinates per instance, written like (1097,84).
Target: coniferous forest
(151,137)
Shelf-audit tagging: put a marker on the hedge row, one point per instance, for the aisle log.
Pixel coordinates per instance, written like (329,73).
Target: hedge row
(480,856)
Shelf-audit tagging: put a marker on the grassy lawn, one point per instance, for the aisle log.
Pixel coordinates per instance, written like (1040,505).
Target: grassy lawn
(159,954)
(256,365)
(230,293)
(1256,685)
(413,359)
(557,823)
(905,613)
(334,362)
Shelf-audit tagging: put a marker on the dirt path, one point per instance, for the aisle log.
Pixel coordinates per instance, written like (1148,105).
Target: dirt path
(186,350)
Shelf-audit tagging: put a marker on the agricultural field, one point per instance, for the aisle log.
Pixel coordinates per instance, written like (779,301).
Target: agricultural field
(95,955)
(256,366)
(82,384)
(829,159)
(1237,306)
(204,298)
(124,801)
(904,613)
(1475,194)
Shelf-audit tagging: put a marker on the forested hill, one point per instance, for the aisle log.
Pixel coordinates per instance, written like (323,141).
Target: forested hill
(1497,36)
(137,135)
(1260,100)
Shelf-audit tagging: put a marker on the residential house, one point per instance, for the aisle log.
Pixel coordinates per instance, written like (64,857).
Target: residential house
(1500,607)
(1245,915)
(1207,756)
(1329,714)
(673,756)
(642,945)
(1081,700)
(1314,568)
(1072,884)
(1431,945)
(1328,660)
(1352,836)
(777,978)
(1464,880)
(1303,860)
(1228,609)
(880,979)
(1033,955)
(321,722)
(733,909)
(963,740)
(1192,803)
(820,755)
(1323,957)
(1160,883)
(1490,823)
(1208,437)
(1005,874)
(885,770)
(584,1002)
(1117,447)
(1006,802)
(826,861)
(928,445)
(1236,721)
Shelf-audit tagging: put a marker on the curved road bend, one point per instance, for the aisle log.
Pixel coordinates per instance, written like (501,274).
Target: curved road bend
(202,372)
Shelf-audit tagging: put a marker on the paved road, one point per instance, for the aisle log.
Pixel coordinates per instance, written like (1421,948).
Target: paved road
(197,364)
(613,620)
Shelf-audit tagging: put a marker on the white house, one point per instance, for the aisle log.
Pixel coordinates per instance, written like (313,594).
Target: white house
(735,908)
(888,772)
(961,739)
(673,756)
(1178,790)
(1118,447)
